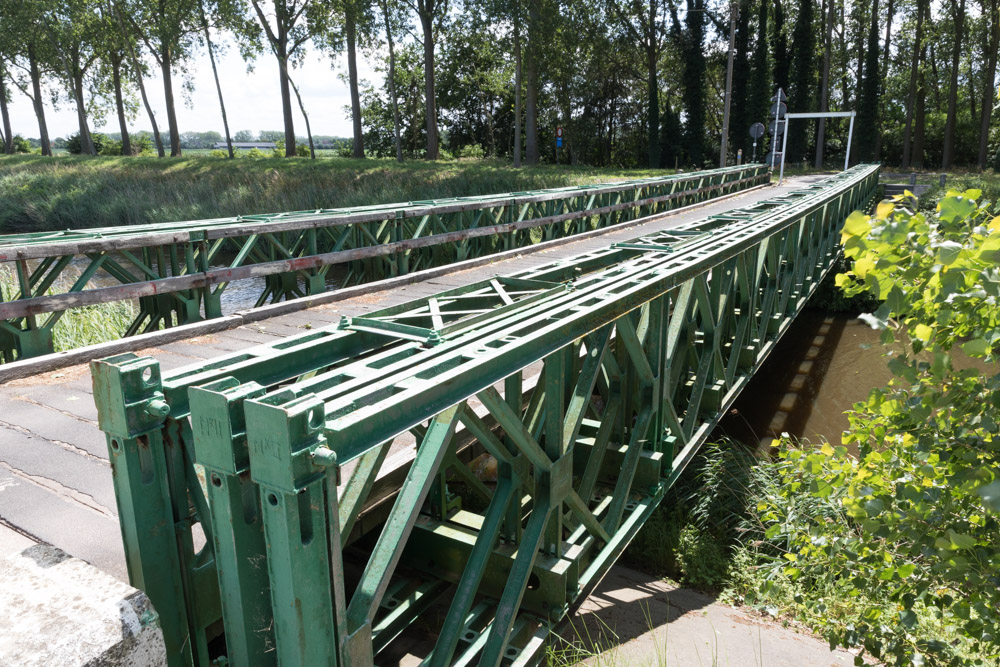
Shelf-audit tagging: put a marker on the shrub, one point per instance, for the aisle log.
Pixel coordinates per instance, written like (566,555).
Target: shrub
(302,150)
(916,547)
(255,153)
(474,151)
(110,148)
(142,144)
(75,146)
(219,153)
(21,145)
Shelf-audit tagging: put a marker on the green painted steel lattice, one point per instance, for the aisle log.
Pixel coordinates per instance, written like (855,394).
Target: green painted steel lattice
(178,272)
(331,476)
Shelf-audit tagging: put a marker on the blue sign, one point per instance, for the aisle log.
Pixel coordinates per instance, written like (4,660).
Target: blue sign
(558,142)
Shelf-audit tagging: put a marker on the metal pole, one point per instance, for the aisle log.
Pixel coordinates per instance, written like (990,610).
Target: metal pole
(733,9)
(850,135)
(784,143)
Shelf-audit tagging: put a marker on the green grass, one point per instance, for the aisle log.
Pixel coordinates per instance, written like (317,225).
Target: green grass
(73,192)
(78,327)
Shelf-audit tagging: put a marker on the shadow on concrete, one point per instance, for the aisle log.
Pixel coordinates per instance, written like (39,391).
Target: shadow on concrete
(626,605)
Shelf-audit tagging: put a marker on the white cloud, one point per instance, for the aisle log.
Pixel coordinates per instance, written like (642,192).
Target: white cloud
(253,101)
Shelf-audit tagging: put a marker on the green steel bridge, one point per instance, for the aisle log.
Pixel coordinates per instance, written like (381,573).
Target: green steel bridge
(334,475)
(178,272)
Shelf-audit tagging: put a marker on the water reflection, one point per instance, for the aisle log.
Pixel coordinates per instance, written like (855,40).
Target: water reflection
(824,364)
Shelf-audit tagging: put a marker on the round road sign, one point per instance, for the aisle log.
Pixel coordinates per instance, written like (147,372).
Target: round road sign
(757,130)
(778,109)
(777,127)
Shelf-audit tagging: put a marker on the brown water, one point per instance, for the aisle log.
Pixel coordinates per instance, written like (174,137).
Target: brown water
(824,364)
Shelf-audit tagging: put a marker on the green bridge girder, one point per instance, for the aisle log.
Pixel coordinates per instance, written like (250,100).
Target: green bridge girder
(330,472)
(178,272)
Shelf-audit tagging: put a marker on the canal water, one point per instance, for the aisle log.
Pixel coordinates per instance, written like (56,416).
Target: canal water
(824,364)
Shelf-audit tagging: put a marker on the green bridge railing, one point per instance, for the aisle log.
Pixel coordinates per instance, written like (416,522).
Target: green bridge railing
(321,500)
(178,272)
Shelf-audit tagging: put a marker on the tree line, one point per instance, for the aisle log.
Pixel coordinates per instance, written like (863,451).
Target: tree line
(631,82)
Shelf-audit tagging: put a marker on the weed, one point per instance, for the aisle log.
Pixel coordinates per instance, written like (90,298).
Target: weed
(75,192)
(82,326)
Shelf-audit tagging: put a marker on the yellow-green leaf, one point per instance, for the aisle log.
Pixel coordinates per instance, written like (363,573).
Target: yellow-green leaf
(856,224)
(923,332)
(976,347)
(862,266)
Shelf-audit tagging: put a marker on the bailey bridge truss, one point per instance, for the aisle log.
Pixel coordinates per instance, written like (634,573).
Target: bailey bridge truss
(177,273)
(338,476)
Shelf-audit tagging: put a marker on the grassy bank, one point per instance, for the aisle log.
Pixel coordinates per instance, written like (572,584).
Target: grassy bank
(80,326)
(72,192)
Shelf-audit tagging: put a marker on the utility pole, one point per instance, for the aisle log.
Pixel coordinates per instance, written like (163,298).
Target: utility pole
(733,9)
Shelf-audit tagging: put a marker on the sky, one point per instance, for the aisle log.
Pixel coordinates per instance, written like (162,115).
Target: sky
(252,99)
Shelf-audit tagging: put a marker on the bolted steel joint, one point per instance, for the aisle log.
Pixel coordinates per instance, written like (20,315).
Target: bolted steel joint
(128,394)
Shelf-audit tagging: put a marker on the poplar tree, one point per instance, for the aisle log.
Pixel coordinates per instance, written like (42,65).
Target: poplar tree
(800,95)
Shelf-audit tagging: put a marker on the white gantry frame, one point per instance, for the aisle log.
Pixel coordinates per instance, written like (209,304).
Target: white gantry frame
(826,114)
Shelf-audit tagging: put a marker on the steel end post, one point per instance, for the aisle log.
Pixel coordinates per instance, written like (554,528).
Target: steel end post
(130,409)
(219,427)
(299,509)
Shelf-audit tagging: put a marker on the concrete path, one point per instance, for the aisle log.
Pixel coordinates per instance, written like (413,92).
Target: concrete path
(634,620)
(55,479)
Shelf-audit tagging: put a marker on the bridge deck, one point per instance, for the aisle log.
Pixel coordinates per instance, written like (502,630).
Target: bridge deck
(55,479)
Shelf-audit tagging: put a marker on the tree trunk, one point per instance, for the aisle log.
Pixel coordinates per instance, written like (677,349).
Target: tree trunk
(142,86)
(948,151)
(352,70)
(218,85)
(286,94)
(86,141)
(168,96)
(653,88)
(911,97)
(531,86)
(430,101)
(824,86)
(919,116)
(517,85)
(654,109)
(305,116)
(889,13)
(8,138)
(116,80)
(986,114)
(36,99)
(392,80)
(723,146)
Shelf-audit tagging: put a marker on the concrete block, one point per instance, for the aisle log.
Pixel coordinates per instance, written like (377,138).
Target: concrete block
(59,610)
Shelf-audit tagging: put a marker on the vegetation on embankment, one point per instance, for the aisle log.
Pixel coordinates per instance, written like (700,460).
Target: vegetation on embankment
(894,551)
(78,327)
(73,192)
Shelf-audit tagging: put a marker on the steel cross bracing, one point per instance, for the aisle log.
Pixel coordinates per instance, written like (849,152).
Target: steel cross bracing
(178,272)
(330,473)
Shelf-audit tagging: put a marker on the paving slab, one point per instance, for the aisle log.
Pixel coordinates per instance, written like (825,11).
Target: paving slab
(635,620)
(52,518)
(54,426)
